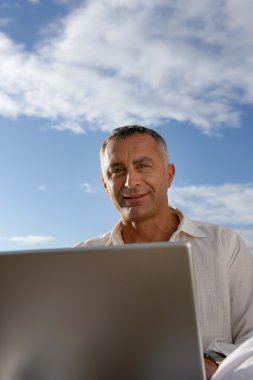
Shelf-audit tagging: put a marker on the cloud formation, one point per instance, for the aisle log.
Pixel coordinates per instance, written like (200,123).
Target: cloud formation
(44,189)
(31,240)
(229,204)
(34,1)
(87,188)
(112,61)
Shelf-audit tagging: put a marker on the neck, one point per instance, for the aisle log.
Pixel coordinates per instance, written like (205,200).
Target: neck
(150,230)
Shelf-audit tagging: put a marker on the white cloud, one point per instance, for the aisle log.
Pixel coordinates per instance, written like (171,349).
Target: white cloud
(87,188)
(31,240)
(5,22)
(43,188)
(112,62)
(68,125)
(34,1)
(229,204)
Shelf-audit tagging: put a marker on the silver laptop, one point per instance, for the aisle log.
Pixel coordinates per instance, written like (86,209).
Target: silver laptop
(101,313)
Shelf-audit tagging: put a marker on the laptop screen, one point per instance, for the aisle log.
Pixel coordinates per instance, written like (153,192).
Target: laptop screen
(101,313)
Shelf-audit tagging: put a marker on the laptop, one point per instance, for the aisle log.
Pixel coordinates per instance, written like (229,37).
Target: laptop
(99,313)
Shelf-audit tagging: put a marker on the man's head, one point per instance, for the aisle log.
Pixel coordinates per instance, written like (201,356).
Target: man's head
(136,172)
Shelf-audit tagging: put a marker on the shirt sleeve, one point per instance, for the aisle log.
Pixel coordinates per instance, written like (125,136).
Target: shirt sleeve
(240,275)
(239,365)
(240,280)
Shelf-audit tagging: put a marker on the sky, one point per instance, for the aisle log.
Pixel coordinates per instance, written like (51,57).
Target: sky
(73,70)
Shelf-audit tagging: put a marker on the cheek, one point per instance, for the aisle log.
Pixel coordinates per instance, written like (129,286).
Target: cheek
(113,189)
(161,184)
(159,180)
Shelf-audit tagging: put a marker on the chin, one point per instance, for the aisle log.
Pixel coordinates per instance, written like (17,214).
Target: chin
(136,217)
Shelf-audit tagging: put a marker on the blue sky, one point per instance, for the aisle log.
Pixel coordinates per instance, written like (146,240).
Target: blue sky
(72,70)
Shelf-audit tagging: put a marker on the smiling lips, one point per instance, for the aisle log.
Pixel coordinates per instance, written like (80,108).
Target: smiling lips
(134,200)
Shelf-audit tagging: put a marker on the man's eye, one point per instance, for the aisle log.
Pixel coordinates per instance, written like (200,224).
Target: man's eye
(143,166)
(117,172)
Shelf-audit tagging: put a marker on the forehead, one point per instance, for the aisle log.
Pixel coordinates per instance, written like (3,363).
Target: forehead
(131,148)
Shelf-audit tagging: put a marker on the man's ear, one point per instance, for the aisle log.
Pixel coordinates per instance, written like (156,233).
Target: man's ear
(171,173)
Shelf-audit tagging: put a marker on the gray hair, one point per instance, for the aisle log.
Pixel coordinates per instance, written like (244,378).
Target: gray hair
(122,133)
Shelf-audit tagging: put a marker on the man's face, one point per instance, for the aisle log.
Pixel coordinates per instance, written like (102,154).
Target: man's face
(136,177)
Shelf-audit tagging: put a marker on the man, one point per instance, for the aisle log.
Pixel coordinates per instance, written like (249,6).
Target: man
(136,174)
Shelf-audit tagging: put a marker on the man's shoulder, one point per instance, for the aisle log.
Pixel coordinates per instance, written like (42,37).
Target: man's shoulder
(207,229)
(220,236)
(219,239)
(211,228)
(96,241)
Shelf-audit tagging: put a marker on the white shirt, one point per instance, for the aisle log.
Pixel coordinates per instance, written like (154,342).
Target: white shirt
(239,365)
(224,280)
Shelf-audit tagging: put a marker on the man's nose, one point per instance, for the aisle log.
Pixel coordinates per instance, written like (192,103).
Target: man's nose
(132,179)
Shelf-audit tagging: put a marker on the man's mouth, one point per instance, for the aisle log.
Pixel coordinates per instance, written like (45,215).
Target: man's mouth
(135,199)
(134,196)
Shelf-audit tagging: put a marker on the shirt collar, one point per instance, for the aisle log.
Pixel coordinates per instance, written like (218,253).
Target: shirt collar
(187,226)
(116,237)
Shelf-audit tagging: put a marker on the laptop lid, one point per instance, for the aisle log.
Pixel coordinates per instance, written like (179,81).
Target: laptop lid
(99,313)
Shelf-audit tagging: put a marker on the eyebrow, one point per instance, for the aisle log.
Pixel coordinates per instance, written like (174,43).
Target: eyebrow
(115,164)
(143,159)
(135,162)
